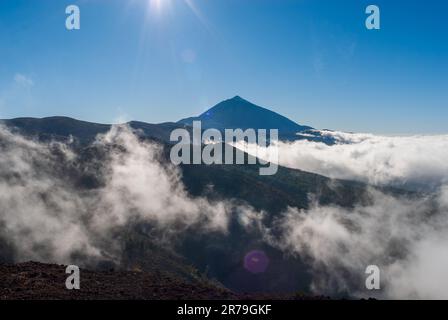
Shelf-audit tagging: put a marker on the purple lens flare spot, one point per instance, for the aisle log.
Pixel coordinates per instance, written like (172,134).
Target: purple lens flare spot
(256,261)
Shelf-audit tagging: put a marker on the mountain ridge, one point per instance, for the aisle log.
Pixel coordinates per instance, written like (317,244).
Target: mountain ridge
(234,113)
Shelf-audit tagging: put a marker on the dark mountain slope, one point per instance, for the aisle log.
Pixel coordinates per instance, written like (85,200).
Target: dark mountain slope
(84,132)
(56,127)
(33,280)
(289,187)
(39,281)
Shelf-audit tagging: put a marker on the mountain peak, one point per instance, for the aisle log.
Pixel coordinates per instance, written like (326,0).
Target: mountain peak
(235,101)
(238,113)
(238,98)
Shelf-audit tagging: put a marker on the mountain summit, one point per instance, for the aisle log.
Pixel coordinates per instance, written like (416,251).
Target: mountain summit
(238,113)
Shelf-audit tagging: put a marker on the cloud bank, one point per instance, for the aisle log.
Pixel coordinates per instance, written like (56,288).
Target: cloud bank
(405,236)
(410,161)
(45,216)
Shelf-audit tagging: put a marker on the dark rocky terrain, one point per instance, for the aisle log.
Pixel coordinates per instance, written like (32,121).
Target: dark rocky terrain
(39,281)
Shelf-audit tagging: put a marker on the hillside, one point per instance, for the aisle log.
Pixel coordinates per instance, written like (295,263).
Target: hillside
(39,281)
(62,128)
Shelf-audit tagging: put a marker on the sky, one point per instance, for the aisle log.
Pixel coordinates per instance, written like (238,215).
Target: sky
(313,61)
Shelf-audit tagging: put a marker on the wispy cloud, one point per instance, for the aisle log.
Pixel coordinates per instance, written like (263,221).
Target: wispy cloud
(46,217)
(23,80)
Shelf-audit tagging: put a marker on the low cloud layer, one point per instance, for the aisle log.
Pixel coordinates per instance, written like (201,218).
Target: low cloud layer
(405,236)
(46,217)
(418,162)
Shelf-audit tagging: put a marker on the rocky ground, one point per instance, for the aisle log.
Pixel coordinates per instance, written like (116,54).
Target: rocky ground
(38,281)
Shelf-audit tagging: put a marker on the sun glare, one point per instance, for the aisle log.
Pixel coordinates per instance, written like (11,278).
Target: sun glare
(158,5)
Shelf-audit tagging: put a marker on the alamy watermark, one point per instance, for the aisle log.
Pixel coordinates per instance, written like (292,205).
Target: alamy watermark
(209,147)
(73,280)
(373,21)
(373,280)
(73,20)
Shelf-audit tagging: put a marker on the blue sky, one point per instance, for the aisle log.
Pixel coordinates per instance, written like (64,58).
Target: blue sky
(311,60)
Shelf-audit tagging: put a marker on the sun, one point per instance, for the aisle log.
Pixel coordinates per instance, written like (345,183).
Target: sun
(159,5)
(160,11)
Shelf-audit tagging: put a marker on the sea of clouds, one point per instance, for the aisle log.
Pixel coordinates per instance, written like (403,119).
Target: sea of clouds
(405,235)
(46,217)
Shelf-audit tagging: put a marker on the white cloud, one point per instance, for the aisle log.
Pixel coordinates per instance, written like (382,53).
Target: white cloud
(23,80)
(406,238)
(138,182)
(47,218)
(415,161)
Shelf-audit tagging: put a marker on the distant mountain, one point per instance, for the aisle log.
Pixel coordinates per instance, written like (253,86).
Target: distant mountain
(237,113)
(85,132)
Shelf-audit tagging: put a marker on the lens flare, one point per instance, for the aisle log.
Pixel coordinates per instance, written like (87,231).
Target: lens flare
(256,261)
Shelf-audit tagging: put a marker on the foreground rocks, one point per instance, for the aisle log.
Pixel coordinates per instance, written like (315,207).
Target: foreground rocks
(38,281)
